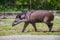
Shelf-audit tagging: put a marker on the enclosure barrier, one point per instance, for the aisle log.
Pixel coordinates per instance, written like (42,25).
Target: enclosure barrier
(10,15)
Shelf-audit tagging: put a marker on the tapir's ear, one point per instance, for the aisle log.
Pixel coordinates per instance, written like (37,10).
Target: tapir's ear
(22,16)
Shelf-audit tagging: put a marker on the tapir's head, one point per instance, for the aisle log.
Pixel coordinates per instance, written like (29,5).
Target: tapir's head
(19,18)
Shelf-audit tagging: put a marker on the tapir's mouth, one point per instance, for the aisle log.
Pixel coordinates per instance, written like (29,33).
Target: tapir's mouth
(13,24)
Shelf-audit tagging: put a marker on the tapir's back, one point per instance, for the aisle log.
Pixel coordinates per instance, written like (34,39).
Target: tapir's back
(40,14)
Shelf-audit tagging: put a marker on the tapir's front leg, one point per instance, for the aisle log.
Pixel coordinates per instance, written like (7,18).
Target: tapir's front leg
(34,25)
(25,25)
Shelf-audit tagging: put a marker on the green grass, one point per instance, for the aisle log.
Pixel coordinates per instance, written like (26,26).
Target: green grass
(7,29)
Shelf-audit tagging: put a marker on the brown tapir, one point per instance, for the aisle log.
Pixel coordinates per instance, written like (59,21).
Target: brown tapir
(34,16)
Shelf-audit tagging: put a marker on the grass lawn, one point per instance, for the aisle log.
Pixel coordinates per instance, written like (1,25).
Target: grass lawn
(7,29)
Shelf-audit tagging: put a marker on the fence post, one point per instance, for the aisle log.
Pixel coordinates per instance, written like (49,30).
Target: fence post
(30,5)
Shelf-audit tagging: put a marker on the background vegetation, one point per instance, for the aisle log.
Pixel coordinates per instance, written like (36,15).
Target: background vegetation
(21,5)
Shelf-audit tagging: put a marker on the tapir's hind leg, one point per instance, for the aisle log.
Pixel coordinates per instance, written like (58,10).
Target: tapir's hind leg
(48,22)
(50,26)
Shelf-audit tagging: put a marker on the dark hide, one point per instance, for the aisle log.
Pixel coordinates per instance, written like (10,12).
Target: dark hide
(34,16)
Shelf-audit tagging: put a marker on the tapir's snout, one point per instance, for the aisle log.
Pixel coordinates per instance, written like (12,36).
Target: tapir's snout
(17,21)
(13,24)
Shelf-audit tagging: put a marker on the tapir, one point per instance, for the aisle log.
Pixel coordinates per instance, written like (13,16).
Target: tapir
(33,17)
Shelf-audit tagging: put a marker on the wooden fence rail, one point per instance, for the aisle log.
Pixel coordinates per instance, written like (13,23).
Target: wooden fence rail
(13,14)
(8,14)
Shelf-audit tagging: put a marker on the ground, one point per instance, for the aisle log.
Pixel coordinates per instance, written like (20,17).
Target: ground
(30,37)
(7,29)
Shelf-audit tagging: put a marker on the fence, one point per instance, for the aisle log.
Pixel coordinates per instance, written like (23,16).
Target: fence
(13,14)
(8,14)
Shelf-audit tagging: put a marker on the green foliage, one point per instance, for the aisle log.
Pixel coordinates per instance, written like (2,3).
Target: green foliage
(17,5)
